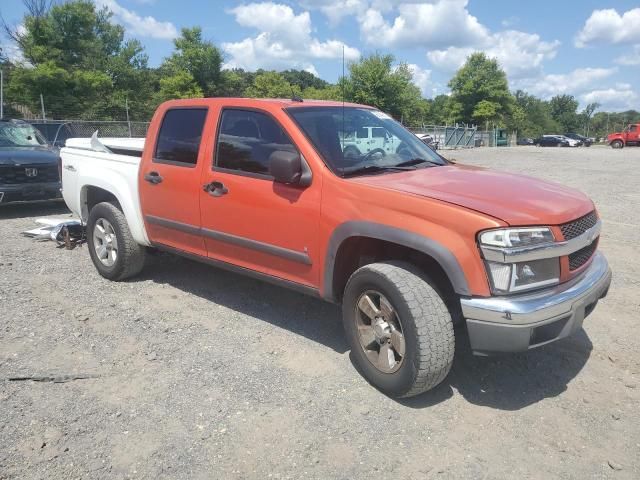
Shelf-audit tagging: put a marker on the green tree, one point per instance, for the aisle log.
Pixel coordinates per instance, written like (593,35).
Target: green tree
(374,81)
(234,82)
(199,58)
(78,60)
(179,85)
(330,92)
(304,79)
(538,120)
(481,90)
(564,111)
(271,85)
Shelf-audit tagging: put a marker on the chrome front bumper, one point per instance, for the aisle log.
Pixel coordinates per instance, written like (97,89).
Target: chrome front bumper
(520,322)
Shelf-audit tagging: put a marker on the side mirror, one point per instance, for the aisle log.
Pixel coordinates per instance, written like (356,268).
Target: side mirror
(289,168)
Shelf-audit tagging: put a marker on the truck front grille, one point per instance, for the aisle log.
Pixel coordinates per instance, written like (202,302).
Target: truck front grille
(13,175)
(578,227)
(582,256)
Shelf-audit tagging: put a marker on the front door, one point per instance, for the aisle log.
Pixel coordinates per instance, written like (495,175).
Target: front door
(248,219)
(170,181)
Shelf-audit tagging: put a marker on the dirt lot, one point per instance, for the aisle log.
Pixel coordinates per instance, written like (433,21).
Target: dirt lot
(199,373)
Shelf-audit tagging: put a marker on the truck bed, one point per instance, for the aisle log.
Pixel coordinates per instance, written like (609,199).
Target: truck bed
(85,169)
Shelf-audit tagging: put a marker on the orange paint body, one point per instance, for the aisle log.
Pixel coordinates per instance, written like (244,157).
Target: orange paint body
(448,205)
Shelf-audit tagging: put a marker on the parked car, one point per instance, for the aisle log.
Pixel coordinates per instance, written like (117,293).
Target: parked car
(525,141)
(553,141)
(368,138)
(586,141)
(629,136)
(428,140)
(29,167)
(406,241)
(55,133)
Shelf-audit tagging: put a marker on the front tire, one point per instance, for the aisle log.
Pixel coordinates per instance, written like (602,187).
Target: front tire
(399,329)
(617,144)
(113,250)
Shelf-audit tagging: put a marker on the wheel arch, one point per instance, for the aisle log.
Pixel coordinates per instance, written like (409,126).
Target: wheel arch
(94,192)
(345,254)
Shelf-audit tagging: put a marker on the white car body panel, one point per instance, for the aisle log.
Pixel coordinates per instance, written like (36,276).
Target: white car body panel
(83,168)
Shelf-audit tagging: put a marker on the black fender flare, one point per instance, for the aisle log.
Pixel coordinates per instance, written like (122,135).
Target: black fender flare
(441,254)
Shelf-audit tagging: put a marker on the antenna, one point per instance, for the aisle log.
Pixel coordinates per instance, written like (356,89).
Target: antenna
(343,85)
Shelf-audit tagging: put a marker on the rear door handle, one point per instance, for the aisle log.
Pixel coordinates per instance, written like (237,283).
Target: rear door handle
(215,189)
(153,177)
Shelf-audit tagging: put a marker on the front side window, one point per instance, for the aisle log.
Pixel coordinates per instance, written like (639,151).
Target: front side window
(633,128)
(179,136)
(247,139)
(334,132)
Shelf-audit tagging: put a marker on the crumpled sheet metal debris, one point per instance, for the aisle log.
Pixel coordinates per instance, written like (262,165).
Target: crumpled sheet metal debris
(66,233)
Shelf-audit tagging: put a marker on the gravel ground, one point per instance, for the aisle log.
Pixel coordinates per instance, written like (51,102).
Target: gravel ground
(199,373)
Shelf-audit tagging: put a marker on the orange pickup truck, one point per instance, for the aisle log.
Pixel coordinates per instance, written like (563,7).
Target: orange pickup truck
(406,241)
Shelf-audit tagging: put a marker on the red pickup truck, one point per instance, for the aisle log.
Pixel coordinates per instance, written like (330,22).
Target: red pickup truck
(406,241)
(629,136)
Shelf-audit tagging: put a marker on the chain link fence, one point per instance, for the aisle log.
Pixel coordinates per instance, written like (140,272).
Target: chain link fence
(58,131)
(448,136)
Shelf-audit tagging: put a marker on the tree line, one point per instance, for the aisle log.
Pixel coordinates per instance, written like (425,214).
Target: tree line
(79,63)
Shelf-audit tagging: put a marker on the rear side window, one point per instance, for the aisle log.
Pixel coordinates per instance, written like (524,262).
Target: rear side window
(247,139)
(179,136)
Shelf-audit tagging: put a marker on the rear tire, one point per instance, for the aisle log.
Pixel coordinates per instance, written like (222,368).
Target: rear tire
(617,144)
(411,350)
(113,250)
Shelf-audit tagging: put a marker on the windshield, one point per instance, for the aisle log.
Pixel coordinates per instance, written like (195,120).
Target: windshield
(354,141)
(19,135)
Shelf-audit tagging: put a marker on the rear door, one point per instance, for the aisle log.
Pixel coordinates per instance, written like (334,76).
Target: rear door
(169,180)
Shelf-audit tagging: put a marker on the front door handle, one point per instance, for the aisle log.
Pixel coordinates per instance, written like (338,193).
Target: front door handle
(153,178)
(215,189)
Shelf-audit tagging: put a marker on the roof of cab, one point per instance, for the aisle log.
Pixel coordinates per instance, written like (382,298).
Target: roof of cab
(261,102)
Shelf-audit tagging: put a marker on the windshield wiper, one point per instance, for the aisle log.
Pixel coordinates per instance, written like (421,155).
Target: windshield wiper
(376,168)
(417,161)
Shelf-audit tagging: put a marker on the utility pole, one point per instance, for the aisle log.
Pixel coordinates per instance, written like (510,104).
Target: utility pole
(42,105)
(126,106)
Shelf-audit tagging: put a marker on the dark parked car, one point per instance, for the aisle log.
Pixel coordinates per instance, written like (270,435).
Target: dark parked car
(28,164)
(56,133)
(553,141)
(525,141)
(585,141)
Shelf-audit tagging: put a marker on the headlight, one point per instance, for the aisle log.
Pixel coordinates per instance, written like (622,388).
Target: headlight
(516,237)
(515,277)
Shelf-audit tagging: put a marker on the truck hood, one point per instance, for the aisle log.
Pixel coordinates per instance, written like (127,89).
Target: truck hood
(512,198)
(28,156)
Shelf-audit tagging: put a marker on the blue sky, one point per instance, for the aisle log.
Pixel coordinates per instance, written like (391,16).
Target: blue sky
(590,49)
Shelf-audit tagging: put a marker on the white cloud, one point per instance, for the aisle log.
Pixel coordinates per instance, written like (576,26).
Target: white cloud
(439,24)
(335,10)
(520,54)
(137,25)
(11,51)
(284,40)
(620,98)
(575,82)
(629,59)
(421,79)
(608,26)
